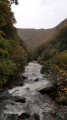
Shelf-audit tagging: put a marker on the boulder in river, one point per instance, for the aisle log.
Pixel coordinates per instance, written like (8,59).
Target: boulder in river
(47,90)
(36,117)
(4,95)
(20,100)
(36,79)
(24,115)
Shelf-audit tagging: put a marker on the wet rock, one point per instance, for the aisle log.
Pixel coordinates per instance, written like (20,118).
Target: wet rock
(24,77)
(10,117)
(45,75)
(4,95)
(19,81)
(27,89)
(21,100)
(47,90)
(24,116)
(36,117)
(36,79)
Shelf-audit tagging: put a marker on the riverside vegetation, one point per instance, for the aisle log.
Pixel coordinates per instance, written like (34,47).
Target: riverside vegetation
(53,56)
(13,56)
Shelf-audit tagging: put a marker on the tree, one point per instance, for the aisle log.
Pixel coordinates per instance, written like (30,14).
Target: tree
(10,1)
(14,1)
(6,16)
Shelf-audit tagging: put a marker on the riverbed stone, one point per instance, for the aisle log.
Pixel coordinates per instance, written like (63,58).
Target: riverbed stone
(4,94)
(24,116)
(20,100)
(36,79)
(47,90)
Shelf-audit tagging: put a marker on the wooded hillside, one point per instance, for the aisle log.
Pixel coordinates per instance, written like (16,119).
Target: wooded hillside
(35,37)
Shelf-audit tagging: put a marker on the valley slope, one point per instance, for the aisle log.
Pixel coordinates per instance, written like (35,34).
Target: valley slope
(36,37)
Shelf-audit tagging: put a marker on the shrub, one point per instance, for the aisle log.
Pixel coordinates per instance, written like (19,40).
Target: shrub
(7,69)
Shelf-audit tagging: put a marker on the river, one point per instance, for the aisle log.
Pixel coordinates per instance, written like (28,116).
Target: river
(27,103)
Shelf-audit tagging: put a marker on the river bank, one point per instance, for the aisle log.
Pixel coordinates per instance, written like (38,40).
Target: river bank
(58,92)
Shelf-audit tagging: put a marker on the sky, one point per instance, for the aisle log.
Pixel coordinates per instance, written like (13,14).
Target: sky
(39,13)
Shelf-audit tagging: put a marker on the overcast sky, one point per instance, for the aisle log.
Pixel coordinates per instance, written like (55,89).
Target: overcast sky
(39,13)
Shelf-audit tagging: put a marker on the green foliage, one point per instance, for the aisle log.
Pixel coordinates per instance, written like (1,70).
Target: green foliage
(31,54)
(59,60)
(60,39)
(46,55)
(3,54)
(55,45)
(13,59)
(7,69)
(57,68)
(7,20)
(13,56)
(53,56)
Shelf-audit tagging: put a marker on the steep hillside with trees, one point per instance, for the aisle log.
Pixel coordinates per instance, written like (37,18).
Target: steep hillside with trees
(13,56)
(54,45)
(53,56)
(36,37)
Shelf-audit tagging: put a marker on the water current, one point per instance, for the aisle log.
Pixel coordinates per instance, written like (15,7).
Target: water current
(26,102)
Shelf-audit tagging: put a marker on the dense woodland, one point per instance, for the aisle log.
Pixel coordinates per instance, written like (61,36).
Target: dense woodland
(13,56)
(53,56)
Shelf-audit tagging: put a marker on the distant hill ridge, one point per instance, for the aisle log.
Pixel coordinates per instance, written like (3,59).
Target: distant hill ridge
(35,37)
